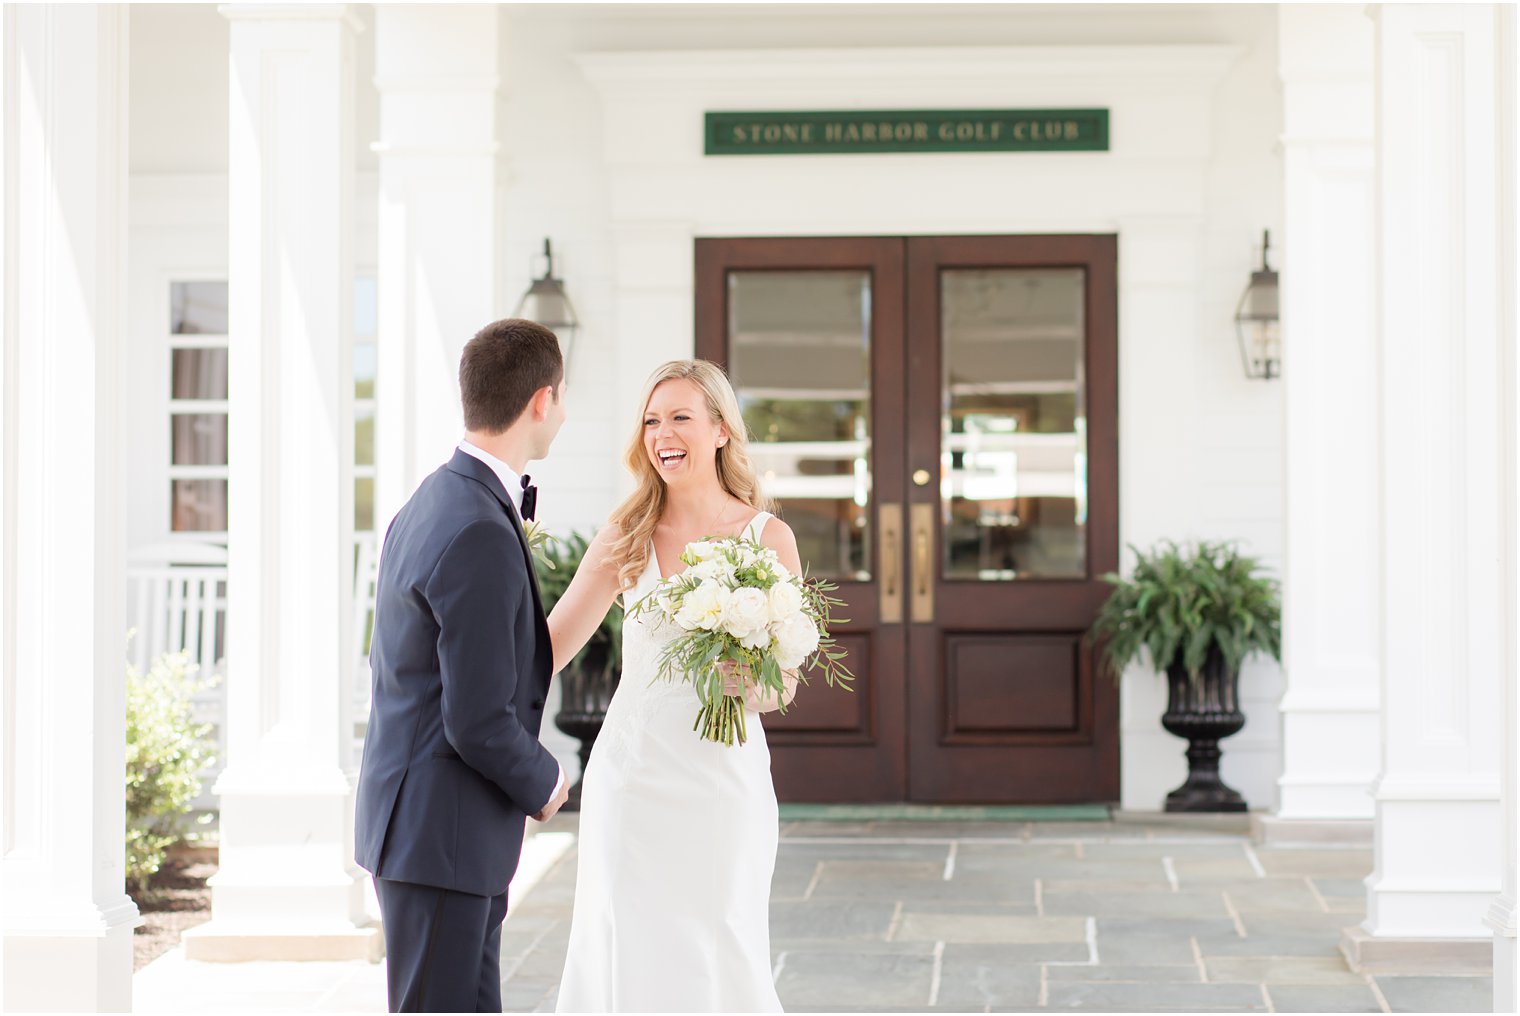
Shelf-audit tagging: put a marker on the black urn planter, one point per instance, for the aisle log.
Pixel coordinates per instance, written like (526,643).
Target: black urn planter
(585,692)
(1204,712)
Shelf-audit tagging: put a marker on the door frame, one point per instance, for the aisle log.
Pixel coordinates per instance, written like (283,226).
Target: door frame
(904,275)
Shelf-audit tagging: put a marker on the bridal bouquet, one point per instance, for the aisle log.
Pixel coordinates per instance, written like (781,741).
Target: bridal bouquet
(737,602)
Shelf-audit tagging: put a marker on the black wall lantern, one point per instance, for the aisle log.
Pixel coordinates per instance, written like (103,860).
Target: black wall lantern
(547,303)
(1256,321)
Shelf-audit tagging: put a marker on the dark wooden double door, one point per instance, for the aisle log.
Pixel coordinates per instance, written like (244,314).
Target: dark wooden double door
(937,418)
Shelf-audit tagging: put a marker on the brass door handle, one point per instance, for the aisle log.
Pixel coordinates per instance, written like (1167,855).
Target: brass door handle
(920,561)
(890,524)
(923,569)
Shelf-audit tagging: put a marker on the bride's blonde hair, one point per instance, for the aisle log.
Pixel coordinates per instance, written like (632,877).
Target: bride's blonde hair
(639,514)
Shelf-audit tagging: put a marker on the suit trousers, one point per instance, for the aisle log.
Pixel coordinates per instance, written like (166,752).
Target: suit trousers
(442,948)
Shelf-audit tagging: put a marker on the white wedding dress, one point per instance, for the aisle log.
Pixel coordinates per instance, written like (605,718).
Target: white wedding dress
(677,848)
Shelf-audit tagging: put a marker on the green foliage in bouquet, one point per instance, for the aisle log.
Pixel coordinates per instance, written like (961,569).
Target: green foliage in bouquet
(557,561)
(1180,602)
(696,654)
(166,751)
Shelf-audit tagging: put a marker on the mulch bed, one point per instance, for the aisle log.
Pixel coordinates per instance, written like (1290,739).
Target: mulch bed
(176,898)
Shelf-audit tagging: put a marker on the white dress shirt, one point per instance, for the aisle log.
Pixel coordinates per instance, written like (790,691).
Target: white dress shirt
(513,483)
(505,473)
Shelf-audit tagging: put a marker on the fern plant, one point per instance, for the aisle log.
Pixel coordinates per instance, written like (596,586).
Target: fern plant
(1180,602)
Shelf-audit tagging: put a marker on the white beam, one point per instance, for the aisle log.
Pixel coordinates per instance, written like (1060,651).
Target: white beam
(286,887)
(68,921)
(436,70)
(1502,910)
(1437,837)
(1333,562)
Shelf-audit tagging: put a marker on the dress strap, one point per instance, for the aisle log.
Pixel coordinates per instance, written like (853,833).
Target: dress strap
(757,526)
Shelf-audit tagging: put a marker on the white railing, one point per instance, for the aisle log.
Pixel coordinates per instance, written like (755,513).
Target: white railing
(177,599)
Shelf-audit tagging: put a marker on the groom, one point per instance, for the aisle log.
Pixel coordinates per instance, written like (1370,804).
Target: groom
(461,661)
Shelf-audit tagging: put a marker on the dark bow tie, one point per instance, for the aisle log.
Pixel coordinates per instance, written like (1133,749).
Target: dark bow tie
(529,499)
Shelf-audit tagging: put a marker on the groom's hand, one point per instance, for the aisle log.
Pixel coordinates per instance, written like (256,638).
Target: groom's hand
(555,803)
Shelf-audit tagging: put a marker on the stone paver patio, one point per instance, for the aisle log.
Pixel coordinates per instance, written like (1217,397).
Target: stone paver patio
(1140,913)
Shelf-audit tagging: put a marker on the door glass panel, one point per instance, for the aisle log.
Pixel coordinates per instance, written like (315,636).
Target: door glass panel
(199,374)
(198,308)
(800,362)
(1013,478)
(198,439)
(199,506)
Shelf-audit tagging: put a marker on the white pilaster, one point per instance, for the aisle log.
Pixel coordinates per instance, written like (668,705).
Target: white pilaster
(1437,799)
(436,70)
(285,888)
(68,922)
(1502,911)
(1333,563)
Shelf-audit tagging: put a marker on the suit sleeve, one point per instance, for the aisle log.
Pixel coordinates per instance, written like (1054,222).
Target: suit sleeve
(476,592)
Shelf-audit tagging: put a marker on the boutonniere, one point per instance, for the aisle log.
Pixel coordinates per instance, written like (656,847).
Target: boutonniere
(539,542)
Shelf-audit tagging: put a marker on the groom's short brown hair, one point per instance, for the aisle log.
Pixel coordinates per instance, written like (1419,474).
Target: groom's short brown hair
(500,369)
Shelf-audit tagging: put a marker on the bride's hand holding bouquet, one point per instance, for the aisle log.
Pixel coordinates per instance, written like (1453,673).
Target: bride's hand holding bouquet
(747,622)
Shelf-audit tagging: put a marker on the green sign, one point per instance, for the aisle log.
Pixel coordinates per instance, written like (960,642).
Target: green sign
(908,130)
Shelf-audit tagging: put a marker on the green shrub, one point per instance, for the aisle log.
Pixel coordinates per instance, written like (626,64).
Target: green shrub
(166,751)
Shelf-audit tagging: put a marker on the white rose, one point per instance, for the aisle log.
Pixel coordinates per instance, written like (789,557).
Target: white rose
(703,607)
(745,613)
(698,551)
(796,639)
(760,638)
(784,601)
(716,569)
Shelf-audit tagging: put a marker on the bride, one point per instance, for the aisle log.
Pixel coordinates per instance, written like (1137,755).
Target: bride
(678,834)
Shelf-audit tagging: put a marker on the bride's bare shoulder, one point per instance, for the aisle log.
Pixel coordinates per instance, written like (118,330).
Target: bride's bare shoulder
(778,536)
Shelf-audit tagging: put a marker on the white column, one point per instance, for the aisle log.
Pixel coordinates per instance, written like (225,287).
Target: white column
(285,888)
(436,71)
(1502,911)
(1333,563)
(68,921)
(1437,836)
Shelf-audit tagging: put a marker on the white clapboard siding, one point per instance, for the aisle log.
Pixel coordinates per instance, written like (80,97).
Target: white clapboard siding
(177,600)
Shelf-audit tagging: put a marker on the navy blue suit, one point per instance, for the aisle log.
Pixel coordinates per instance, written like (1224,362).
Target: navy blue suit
(452,762)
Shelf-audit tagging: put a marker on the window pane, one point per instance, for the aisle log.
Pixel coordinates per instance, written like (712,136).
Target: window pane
(198,308)
(199,374)
(366,307)
(1014,432)
(198,439)
(364,436)
(811,428)
(364,505)
(364,370)
(198,505)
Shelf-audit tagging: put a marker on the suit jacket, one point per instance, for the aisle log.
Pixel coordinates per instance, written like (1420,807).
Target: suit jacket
(461,662)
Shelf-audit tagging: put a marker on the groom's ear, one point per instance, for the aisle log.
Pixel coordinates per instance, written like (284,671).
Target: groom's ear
(542,400)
